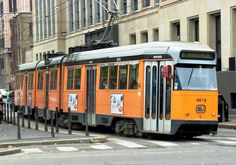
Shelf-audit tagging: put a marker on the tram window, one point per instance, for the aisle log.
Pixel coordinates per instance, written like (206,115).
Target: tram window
(147,92)
(53,80)
(40,80)
(77,78)
(154,91)
(113,77)
(70,74)
(168,95)
(123,73)
(31,79)
(17,84)
(161,92)
(103,77)
(21,81)
(133,76)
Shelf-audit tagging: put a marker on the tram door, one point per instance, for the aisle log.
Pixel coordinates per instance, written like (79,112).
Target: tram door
(151,96)
(164,121)
(91,94)
(157,97)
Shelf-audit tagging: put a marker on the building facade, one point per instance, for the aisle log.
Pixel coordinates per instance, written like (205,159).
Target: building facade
(8,10)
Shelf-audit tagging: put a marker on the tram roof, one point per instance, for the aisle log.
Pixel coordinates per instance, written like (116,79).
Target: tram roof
(53,61)
(27,66)
(152,48)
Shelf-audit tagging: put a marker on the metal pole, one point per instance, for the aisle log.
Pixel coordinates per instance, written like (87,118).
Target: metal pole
(18,125)
(69,121)
(36,118)
(22,116)
(10,105)
(29,117)
(14,120)
(52,127)
(7,106)
(86,122)
(4,112)
(56,116)
(46,120)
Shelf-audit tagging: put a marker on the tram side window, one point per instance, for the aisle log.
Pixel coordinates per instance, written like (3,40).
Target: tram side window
(123,73)
(103,77)
(17,84)
(133,76)
(168,94)
(53,80)
(31,79)
(77,78)
(113,77)
(40,81)
(21,81)
(70,78)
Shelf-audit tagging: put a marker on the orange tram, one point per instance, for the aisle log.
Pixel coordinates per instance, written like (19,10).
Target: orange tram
(159,87)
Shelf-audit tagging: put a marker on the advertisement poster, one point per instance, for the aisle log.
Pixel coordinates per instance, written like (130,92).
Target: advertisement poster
(73,101)
(117,104)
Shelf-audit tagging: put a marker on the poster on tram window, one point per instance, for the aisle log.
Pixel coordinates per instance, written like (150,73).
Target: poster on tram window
(73,101)
(117,104)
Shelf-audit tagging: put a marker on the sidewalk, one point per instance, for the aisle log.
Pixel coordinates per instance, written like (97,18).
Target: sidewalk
(228,125)
(9,143)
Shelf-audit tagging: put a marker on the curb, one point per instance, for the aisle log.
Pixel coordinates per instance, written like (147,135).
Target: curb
(10,151)
(227,126)
(53,142)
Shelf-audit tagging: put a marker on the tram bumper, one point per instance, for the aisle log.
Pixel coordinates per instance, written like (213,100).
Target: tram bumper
(193,128)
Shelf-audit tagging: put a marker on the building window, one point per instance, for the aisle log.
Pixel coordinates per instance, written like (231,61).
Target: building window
(132,39)
(41,19)
(155,34)
(134,5)
(40,56)
(77,21)
(49,17)
(71,15)
(45,18)
(30,29)
(193,29)
(37,57)
(144,37)
(105,12)
(157,2)
(83,9)
(123,7)
(146,3)
(175,31)
(97,11)
(53,18)
(214,38)
(90,12)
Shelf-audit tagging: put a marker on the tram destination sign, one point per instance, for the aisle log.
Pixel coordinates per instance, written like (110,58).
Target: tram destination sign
(197,55)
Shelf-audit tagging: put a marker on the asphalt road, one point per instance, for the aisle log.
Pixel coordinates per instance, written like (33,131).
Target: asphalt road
(219,149)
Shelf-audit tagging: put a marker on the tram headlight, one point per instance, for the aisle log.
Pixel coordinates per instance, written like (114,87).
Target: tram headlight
(201,108)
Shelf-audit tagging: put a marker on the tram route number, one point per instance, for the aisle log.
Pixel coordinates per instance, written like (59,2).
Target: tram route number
(201,100)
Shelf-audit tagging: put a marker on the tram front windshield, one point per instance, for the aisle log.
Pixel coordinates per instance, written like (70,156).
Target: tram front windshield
(195,77)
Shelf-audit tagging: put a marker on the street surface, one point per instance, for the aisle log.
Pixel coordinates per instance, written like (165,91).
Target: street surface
(219,149)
